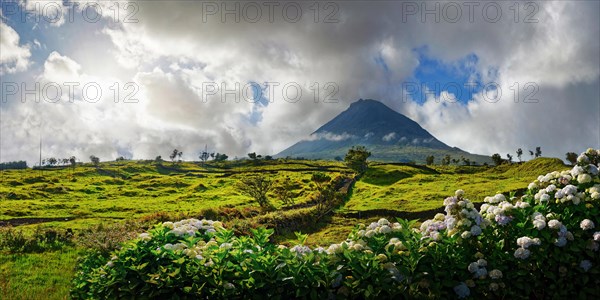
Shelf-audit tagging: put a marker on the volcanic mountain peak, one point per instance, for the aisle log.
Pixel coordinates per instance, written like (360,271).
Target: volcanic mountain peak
(389,135)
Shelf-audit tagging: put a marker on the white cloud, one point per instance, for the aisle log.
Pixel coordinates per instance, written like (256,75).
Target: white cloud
(389,137)
(329,136)
(60,68)
(13,57)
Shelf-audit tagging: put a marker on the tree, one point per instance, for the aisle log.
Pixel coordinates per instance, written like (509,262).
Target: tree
(52,161)
(509,157)
(268,157)
(95,160)
(252,156)
(220,157)
(531,153)
(72,161)
(356,159)
(429,160)
(175,154)
(572,157)
(466,161)
(538,152)
(446,160)
(120,158)
(324,191)
(519,153)
(455,160)
(497,159)
(284,192)
(257,187)
(204,156)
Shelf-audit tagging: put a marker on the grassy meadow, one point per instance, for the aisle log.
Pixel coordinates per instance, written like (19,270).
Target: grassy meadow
(99,205)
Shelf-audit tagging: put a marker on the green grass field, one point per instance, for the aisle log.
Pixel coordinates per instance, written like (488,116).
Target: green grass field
(85,197)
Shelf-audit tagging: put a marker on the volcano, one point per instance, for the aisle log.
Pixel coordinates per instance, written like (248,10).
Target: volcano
(387,134)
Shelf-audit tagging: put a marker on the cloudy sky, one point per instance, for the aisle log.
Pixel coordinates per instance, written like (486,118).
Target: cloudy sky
(137,79)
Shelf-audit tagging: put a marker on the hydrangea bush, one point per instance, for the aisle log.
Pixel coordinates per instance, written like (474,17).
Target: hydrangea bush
(544,244)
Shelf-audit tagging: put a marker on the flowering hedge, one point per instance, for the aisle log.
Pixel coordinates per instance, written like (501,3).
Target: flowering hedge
(541,245)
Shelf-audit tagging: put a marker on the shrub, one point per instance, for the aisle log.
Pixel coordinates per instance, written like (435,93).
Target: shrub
(356,159)
(106,238)
(257,187)
(42,239)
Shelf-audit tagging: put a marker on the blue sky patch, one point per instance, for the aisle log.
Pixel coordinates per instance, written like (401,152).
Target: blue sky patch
(433,76)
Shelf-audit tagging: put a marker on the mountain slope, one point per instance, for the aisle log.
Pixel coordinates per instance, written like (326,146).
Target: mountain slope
(389,135)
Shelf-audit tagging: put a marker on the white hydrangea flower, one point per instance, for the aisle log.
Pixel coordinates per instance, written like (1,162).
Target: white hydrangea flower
(539,224)
(439,217)
(525,242)
(459,193)
(545,198)
(385,229)
(382,222)
(145,236)
(473,267)
(334,248)
(550,188)
(522,253)
(587,224)
(499,198)
(584,178)
(400,246)
(554,224)
(576,171)
(582,158)
(495,274)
